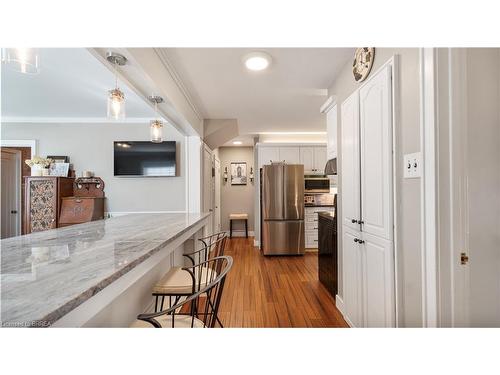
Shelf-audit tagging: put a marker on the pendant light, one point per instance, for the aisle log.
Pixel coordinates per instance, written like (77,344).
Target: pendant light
(116,97)
(156,126)
(24,60)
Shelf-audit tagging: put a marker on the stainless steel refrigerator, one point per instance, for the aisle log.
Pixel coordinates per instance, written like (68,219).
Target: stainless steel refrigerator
(282,208)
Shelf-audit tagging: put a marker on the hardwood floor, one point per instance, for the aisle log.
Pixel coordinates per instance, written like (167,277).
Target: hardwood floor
(275,291)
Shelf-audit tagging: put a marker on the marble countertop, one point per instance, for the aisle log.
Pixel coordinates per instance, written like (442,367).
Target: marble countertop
(45,275)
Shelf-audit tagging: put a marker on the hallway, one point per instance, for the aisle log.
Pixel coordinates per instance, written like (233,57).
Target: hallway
(275,291)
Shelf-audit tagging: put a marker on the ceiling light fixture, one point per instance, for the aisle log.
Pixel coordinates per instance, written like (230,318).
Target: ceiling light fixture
(24,60)
(116,97)
(156,126)
(257,61)
(237,143)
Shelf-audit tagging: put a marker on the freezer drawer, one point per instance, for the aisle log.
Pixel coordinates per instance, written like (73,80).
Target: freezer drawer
(283,237)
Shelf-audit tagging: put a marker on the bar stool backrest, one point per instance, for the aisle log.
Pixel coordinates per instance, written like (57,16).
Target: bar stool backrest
(204,304)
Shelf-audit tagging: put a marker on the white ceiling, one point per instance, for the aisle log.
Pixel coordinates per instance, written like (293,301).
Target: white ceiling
(72,84)
(285,98)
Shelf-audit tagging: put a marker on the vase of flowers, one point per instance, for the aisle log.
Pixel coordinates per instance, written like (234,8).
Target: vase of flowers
(39,166)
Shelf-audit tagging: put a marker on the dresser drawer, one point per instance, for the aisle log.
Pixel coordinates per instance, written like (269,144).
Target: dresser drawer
(75,210)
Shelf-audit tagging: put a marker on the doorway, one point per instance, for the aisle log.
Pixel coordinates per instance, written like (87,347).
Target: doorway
(11,175)
(208,188)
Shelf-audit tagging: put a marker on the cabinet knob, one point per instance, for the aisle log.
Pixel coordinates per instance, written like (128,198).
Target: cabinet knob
(354,221)
(361,222)
(361,241)
(356,240)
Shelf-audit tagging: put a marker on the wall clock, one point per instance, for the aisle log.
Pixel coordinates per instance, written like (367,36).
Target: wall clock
(362,64)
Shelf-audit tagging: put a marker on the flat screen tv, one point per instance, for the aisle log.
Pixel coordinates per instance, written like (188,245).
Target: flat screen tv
(144,159)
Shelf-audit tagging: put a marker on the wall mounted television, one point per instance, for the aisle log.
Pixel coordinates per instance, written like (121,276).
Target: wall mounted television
(142,158)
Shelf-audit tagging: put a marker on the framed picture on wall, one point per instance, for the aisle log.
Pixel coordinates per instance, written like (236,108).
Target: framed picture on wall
(239,173)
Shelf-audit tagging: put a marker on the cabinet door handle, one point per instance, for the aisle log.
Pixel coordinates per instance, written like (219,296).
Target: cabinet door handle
(361,241)
(315,228)
(361,222)
(78,200)
(356,240)
(354,221)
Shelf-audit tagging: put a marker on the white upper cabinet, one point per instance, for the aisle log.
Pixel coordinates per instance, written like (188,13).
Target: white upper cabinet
(290,155)
(307,158)
(350,162)
(268,155)
(319,159)
(375,118)
(313,157)
(331,130)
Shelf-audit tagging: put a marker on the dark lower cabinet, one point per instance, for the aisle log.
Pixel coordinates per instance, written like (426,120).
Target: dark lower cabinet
(327,251)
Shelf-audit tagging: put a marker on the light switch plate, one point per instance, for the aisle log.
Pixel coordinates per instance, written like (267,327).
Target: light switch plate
(412,165)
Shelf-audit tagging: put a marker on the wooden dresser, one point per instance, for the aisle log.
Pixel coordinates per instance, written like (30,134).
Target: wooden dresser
(43,201)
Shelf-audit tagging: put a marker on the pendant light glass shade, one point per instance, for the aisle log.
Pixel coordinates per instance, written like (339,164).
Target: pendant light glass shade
(116,97)
(156,131)
(116,104)
(24,60)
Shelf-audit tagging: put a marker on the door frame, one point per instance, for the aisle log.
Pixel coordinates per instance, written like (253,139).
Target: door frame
(217,192)
(32,144)
(18,189)
(443,113)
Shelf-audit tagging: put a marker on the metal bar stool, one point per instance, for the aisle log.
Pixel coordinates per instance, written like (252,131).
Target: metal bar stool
(200,309)
(178,282)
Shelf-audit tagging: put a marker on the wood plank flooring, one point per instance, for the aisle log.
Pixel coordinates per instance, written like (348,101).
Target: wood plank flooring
(275,291)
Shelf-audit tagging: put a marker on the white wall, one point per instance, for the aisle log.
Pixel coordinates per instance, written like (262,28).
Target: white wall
(90,147)
(236,198)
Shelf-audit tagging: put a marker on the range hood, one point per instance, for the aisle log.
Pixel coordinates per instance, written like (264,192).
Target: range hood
(331,167)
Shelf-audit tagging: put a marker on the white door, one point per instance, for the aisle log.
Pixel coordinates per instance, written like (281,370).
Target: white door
(217,225)
(375,109)
(11,193)
(352,278)
(290,155)
(331,130)
(268,155)
(307,158)
(378,282)
(350,162)
(319,159)
(207,186)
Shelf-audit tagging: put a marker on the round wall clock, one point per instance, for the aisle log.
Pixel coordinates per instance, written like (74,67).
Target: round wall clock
(362,64)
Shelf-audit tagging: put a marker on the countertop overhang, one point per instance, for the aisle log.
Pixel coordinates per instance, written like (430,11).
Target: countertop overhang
(45,275)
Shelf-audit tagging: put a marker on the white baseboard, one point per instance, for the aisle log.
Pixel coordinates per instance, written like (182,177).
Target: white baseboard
(241,233)
(339,303)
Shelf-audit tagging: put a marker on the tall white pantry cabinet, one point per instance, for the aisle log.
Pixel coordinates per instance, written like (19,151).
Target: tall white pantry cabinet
(367,203)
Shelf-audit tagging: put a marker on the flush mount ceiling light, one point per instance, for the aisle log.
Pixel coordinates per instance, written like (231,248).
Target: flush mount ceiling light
(237,143)
(116,97)
(257,61)
(24,60)
(156,126)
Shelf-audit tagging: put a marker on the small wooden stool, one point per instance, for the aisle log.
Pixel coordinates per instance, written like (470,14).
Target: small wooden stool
(238,217)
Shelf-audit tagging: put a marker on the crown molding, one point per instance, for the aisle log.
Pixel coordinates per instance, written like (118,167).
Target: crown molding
(72,120)
(178,81)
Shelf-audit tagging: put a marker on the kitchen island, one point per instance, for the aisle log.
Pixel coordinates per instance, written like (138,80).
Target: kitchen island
(96,274)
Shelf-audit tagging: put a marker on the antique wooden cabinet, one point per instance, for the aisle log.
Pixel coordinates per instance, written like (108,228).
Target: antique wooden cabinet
(76,210)
(43,201)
